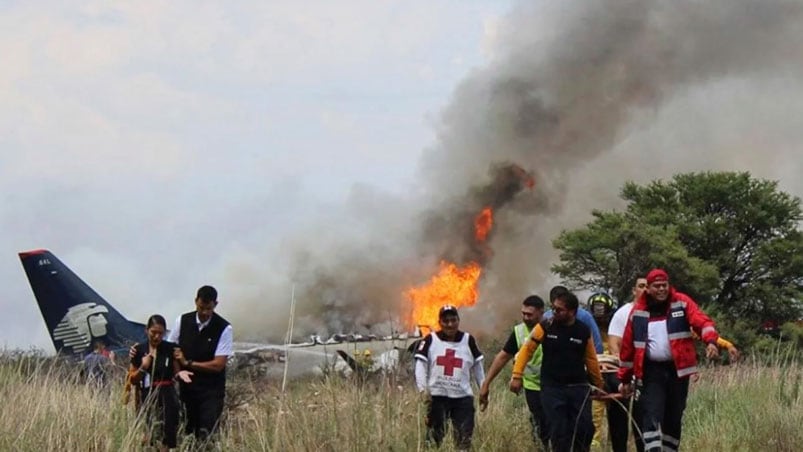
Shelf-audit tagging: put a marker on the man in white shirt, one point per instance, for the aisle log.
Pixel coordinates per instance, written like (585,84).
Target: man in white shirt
(617,421)
(616,329)
(205,341)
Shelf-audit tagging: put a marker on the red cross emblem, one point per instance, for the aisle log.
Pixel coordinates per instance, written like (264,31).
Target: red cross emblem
(449,362)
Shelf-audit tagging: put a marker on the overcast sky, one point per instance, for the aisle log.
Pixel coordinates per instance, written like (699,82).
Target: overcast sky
(143,142)
(154,146)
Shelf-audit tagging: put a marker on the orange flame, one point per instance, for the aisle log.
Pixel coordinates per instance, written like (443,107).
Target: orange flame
(483,224)
(452,285)
(525,177)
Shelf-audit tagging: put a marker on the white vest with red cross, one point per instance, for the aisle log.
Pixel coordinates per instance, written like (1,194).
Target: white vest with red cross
(450,366)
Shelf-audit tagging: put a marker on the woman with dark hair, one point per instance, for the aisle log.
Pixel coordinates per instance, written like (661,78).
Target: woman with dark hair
(155,371)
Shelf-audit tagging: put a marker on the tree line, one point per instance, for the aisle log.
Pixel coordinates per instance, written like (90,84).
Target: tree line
(731,241)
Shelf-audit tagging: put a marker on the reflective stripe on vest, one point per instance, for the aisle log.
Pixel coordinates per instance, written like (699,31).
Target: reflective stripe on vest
(677,328)
(681,335)
(708,329)
(677,325)
(640,320)
(687,371)
(532,373)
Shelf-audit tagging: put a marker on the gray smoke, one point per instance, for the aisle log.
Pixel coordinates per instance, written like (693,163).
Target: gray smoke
(584,95)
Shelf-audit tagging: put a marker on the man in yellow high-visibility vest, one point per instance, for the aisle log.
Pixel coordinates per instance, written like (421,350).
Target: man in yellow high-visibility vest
(532,309)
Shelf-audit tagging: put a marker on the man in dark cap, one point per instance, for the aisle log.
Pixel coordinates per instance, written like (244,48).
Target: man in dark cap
(445,361)
(658,349)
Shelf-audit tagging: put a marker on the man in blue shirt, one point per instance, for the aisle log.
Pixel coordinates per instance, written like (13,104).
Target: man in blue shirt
(582,315)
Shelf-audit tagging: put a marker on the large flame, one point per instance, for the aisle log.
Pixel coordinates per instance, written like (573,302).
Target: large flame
(454,285)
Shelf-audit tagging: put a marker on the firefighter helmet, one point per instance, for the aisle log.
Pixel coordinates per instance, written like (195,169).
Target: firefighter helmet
(601,306)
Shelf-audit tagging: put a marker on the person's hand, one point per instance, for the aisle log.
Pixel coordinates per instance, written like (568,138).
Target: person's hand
(625,389)
(184,375)
(515,385)
(132,352)
(733,354)
(146,362)
(608,367)
(711,351)
(598,394)
(483,398)
(178,355)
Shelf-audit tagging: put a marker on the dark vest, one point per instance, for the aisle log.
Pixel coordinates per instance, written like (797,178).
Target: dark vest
(201,345)
(564,353)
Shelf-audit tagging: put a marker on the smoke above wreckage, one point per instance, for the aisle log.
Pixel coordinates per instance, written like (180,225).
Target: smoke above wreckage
(370,292)
(466,250)
(565,85)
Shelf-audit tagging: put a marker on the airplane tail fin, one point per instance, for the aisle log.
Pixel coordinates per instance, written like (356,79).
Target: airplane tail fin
(349,360)
(74,313)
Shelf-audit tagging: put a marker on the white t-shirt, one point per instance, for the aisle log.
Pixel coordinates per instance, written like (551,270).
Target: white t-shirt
(658,348)
(619,320)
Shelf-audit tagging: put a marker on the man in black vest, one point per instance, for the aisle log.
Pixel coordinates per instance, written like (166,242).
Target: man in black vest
(205,339)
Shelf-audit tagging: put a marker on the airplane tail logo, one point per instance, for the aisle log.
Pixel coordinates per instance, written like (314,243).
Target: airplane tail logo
(74,313)
(80,326)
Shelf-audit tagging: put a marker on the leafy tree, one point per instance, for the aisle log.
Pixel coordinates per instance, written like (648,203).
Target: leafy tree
(723,237)
(616,248)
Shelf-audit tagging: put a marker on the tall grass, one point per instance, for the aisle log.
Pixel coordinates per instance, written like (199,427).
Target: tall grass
(752,406)
(749,407)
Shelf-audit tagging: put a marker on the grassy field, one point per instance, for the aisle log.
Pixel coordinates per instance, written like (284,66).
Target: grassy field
(744,407)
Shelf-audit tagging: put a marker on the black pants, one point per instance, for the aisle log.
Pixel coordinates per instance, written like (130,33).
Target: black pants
(537,418)
(663,399)
(571,427)
(203,407)
(161,410)
(618,418)
(460,411)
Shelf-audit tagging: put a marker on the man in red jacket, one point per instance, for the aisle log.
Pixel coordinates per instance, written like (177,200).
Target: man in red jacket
(658,349)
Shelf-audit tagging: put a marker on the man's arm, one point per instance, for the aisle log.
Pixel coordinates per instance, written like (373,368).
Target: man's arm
(721,341)
(497,365)
(616,329)
(216,364)
(175,332)
(420,375)
(700,322)
(592,367)
(614,344)
(479,373)
(588,320)
(422,363)
(506,354)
